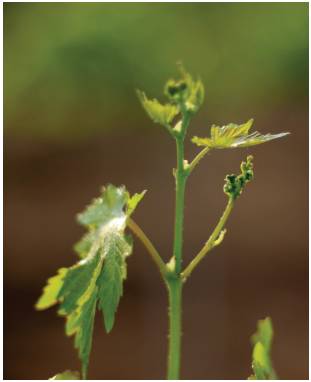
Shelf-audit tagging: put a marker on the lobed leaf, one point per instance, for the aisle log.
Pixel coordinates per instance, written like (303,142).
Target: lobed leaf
(110,281)
(98,277)
(50,293)
(234,136)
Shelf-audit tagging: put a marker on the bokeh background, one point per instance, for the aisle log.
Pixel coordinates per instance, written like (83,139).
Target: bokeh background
(73,123)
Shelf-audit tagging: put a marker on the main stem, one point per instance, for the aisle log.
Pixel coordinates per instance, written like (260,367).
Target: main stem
(175,311)
(174,281)
(179,204)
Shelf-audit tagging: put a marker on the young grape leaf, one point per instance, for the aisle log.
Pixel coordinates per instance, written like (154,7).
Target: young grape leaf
(83,247)
(234,136)
(262,341)
(186,92)
(49,296)
(133,202)
(98,277)
(110,281)
(66,376)
(162,114)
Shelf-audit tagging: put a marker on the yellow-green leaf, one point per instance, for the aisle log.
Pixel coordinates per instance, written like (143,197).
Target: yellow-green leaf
(159,113)
(261,357)
(50,293)
(99,275)
(234,136)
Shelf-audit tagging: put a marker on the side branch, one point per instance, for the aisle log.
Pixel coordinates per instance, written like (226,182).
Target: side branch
(148,245)
(214,240)
(197,159)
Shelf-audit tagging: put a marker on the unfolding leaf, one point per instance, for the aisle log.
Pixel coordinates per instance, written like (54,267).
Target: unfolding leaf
(262,341)
(66,376)
(185,91)
(159,113)
(234,136)
(99,275)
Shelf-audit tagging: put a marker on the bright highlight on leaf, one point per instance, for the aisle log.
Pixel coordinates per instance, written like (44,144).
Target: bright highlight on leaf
(234,136)
(98,277)
(66,376)
(262,341)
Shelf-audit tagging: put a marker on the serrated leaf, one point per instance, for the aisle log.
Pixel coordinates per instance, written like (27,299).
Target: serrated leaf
(80,280)
(100,274)
(81,323)
(133,202)
(261,357)
(159,113)
(50,293)
(110,281)
(66,376)
(234,136)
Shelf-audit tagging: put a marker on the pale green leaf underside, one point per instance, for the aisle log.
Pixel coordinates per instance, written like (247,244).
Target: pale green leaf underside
(261,358)
(67,376)
(234,136)
(98,277)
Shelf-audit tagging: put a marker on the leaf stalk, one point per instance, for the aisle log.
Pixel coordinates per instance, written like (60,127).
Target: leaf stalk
(214,240)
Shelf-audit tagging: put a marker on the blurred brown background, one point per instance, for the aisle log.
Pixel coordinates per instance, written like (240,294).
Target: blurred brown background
(73,123)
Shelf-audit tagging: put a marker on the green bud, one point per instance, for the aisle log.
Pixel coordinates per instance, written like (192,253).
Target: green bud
(234,184)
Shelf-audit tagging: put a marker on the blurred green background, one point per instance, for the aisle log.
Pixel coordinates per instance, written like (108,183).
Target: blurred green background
(73,122)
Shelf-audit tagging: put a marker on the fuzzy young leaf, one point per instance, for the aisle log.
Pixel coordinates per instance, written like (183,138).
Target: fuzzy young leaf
(83,247)
(162,114)
(99,275)
(66,376)
(235,183)
(234,136)
(262,341)
(186,92)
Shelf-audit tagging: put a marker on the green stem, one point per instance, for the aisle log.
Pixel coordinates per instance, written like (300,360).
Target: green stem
(174,280)
(215,239)
(179,204)
(175,311)
(155,256)
(197,159)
